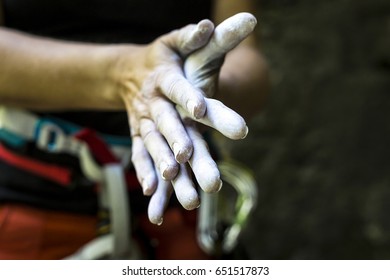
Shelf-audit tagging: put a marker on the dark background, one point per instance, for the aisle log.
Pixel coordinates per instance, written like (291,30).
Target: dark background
(320,149)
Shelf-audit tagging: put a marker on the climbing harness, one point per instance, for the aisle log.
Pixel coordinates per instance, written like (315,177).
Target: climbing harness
(98,162)
(103,159)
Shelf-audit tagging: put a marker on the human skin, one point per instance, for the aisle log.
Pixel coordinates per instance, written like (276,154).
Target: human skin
(201,69)
(61,75)
(145,80)
(238,78)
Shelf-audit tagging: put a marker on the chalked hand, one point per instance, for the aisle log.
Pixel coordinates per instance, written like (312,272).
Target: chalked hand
(201,69)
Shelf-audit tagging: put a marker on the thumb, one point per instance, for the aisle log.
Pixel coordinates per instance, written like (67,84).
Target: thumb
(227,35)
(189,38)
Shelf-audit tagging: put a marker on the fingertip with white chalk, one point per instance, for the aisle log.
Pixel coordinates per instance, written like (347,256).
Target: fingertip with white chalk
(182,153)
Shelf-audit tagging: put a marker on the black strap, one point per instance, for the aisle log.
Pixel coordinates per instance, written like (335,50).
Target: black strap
(1,13)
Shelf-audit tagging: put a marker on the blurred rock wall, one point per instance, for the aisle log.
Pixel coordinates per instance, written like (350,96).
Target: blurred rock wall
(320,150)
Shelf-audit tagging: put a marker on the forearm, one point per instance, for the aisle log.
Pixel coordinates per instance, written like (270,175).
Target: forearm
(41,73)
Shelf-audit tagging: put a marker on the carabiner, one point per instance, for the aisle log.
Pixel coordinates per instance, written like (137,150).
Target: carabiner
(219,223)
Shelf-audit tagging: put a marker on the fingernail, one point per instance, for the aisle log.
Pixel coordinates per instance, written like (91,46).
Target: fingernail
(195,206)
(246,132)
(204,26)
(159,223)
(195,109)
(163,169)
(219,186)
(191,107)
(182,154)
(176,150)
(147,186)
(145,189)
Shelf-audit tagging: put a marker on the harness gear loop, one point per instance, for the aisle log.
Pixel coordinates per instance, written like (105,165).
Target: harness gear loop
(112,196)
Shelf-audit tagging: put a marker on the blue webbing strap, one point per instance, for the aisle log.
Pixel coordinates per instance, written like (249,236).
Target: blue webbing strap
(67,128)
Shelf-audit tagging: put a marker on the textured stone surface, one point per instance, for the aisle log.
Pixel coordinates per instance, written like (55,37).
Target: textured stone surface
(320,151)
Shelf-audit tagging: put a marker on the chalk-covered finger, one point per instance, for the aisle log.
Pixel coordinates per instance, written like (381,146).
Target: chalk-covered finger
(159,201)
(158,149)
(223,119)
(169,124)
(189,38)
(193,37)
(143,165)
(202,164)
(227,35)
(172,83)
(185,189)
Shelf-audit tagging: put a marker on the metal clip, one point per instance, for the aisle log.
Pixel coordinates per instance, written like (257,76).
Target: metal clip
(50,137)
(220,224)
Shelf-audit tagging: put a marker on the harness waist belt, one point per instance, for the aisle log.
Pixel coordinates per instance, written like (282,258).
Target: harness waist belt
(50,134)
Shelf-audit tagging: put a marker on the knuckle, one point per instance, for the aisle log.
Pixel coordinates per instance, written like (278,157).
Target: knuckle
(138,155)
(167,122)
(149,135)
(175,89)
(136,158)
(148,130)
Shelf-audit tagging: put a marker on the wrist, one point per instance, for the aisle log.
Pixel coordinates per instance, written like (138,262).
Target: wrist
(122,65)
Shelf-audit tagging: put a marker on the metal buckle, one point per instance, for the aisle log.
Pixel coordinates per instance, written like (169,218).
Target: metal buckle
(50,137)
(220,224)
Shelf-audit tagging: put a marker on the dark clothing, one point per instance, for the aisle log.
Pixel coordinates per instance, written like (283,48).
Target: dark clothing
(104,20)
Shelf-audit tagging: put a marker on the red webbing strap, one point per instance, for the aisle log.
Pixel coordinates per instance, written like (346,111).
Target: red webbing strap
(58,174)
(103,154)
(97,147)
